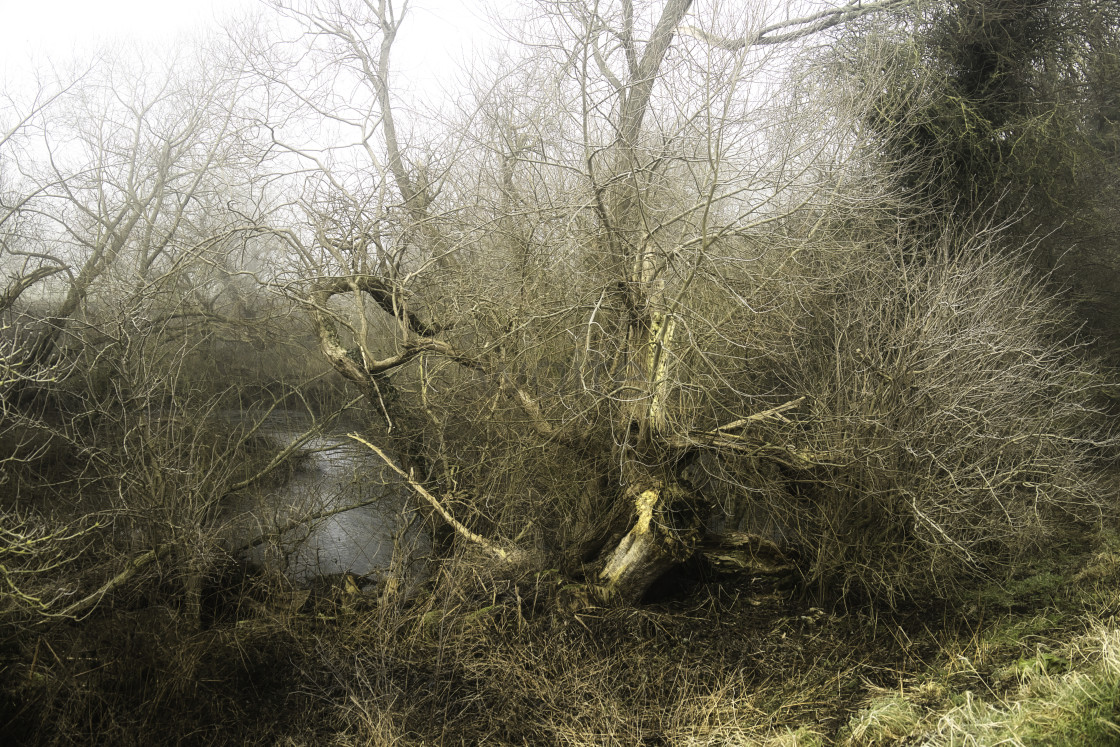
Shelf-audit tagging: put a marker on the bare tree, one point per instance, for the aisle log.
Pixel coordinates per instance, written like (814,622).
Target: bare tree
(121,169)
(18,196)
(135,183)
(563,292)
(32,550)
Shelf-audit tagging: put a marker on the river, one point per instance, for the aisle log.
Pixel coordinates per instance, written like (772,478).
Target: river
(334,471)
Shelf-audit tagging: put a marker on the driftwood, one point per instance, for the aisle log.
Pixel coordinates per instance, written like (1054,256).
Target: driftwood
(740,552)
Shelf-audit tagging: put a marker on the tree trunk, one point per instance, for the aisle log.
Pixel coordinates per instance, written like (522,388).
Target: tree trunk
(664,533)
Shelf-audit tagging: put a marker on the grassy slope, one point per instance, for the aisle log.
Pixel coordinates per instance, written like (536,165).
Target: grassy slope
(1041,666)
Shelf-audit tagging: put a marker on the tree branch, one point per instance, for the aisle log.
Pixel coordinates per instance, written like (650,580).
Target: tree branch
(796,28)
(641,85)
(383,293)
(774,413)
(491,548)
(137,564)
(292,447)
(23,282)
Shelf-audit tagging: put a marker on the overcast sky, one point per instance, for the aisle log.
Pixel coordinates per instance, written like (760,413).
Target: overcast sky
(58,29)
(439,33)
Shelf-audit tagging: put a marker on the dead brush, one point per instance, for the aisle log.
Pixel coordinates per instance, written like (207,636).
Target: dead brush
(465,668)
(956,421)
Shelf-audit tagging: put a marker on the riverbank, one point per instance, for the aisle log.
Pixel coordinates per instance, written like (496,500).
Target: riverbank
(477,658)
(202,646)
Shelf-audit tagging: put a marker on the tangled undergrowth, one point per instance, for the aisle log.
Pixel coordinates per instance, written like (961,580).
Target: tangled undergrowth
(730,661)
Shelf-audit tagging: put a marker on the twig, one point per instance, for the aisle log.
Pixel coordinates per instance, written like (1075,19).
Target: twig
(292,524)
(772,413)
(294,446)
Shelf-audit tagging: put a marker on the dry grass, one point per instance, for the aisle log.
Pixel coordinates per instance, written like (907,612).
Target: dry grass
(887,719)
(1070,696)
(497,667)
(1039,674)
(498,663)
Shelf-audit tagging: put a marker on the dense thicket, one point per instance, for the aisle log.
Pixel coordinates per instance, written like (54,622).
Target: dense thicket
(998,111)
(674,288)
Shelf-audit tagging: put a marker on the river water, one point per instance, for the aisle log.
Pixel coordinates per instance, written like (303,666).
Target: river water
(334,472)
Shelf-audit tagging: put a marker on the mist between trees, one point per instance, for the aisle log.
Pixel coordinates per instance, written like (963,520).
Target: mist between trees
(665,282)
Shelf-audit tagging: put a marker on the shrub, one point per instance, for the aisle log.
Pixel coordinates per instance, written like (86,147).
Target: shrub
(950,422)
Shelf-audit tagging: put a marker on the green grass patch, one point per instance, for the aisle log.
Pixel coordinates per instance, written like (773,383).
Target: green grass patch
(1076,707)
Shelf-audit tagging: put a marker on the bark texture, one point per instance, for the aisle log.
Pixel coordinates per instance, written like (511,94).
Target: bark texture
(658,540)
